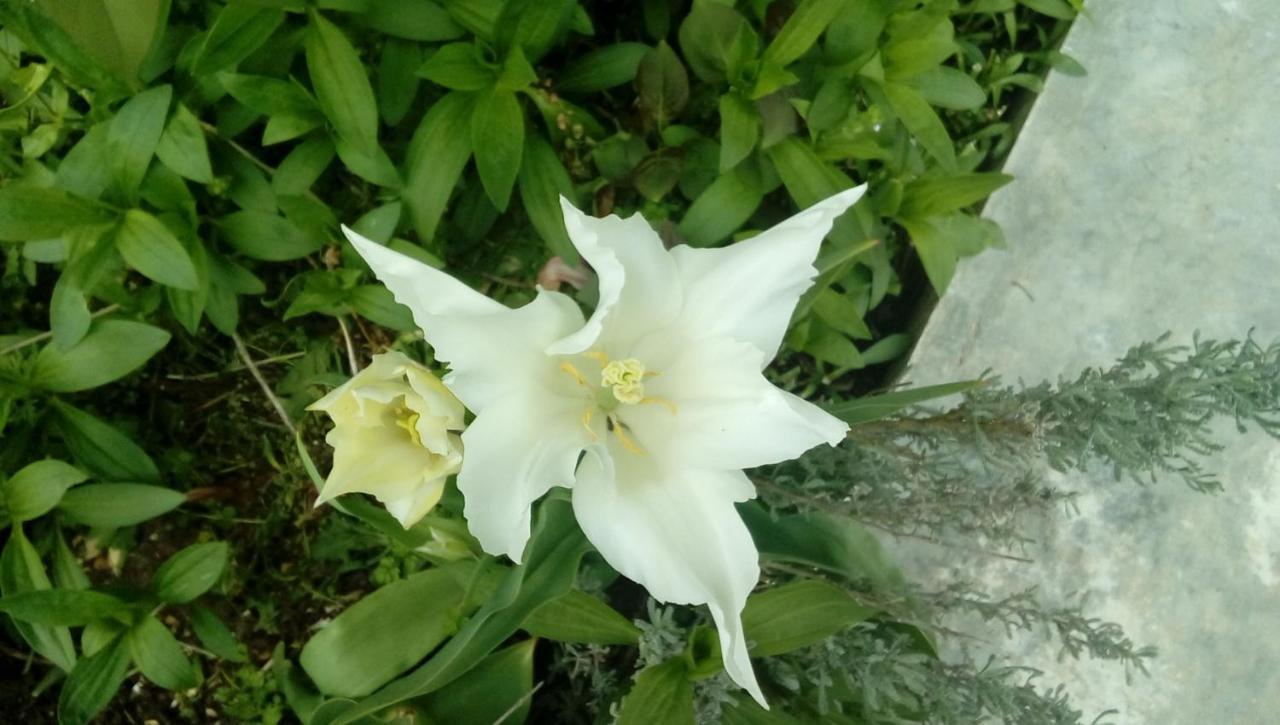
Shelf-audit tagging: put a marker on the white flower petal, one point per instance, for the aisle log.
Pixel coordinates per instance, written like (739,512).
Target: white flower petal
(676,533)
(410,509)
(515,451)
(727,414)
(492,350)
(639,288)
(748,290)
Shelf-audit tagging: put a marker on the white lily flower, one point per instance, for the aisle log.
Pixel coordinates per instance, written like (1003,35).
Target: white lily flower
(662,387)
(394,436)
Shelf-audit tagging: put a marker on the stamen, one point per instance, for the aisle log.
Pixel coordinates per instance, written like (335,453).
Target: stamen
(586,422)
(410,425)
(597,356)
(621,431)
(568,367)
(654,400)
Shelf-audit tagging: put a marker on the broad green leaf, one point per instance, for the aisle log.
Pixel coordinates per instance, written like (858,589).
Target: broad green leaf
(478,16)
(1053,8)
(304,164)
(239,29)
(580,617)
(739,130)
(376,303)
(602,68)
(832,543)
(103,449)
(798,614)
(190,572)
(662,694)
(114,505)
(64,608)
(742,710)
(937,252)
(149,247)
(543,181)
(533,26)
(720,210)
(397,79)
(950,88)
(550,566)
(376,168)
(662,83)
(715,39)
(855,32)
(516,73)
(271,96)
(498,688)
(341,85)
(69,54)
(112,349)
(931,196)
(69,316)
(497,136)
(923,123)
(457,66)
(133,136)
(889,347)
(801,30)
(183,147)
(387,632)
(920,52)
(67,571)
(37,487)
(215,636)
(437,154)
(22,571)
(93,682)
(875,407)
(657,175)
(842,313)
(830,346)
(266,236)
(421,20)
(159,656)
(30,212)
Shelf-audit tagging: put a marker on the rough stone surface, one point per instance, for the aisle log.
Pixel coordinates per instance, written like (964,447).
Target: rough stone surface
(1147,200)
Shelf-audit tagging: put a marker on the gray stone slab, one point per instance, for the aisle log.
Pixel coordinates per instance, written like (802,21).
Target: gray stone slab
(1147,199)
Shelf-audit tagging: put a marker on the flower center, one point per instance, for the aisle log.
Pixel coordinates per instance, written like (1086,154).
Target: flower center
(621,383)
(407,419)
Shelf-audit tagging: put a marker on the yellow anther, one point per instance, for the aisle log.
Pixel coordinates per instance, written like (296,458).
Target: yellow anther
(568,367)
(620,431)
(597,356)
(652,400)
(586,422)
(410,424)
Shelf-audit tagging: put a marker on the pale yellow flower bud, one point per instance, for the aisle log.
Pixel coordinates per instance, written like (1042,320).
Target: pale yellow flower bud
(395,436)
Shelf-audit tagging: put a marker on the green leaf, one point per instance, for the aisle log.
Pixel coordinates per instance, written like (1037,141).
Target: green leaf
(341,85)
(497,136)
(29,213)
(69,316)
(22,571)
(215,636)
(93,682)
(111,350)
(388,631)
(437,155)
(602,68)
(159,656)
(720,210)
(855,33)
(64,608)
(457,66)
(663,84)
(950,88)
(133,136)
(36,488)
(835,544)
(580,617)
(376,303)
(67,571)
(266,236)
(1053,8)
(119,36)
(543,181)
(533,26)
(190,572)
(920,119)
(931,196)
(742,710)
(798,614)
(875,407)
(69,54)
(739,130)
(920,52)
(271,96)
(149,247)
(497,689)
(516,74)
(937,252)
(801,30)
(304,164)
(662,693)
(421,20)
(103,449)
(716,40)
(397,82)
(550,566)
(657,175)
(238,30)
(183,147)
(114,505)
